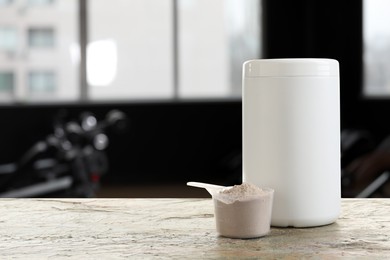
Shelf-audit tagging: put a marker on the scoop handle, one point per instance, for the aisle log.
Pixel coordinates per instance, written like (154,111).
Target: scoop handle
(211,188)
(204,185)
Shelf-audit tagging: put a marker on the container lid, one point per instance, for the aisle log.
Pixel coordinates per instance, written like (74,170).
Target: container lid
(291,68)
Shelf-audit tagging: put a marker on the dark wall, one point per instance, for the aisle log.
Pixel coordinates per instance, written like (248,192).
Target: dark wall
(179,141)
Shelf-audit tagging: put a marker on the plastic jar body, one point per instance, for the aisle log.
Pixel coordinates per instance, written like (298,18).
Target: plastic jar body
(291,137)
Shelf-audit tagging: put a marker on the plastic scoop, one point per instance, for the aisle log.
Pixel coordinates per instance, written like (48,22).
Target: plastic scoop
(242,211)
(211,188)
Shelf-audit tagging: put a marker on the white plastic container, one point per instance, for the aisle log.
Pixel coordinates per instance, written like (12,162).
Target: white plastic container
(291,137)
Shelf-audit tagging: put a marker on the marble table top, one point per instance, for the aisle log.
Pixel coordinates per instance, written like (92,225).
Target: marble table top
(177,229)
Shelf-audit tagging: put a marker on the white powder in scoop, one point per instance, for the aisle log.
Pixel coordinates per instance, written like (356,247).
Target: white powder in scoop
(245,189)
(240,192)
(243,211)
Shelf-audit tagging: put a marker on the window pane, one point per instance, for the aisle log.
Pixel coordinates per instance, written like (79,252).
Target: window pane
(215,38)
(8,39)
(376,47)
(5,2)
(42,40)
(6,82)
(40,2)
(41,37)
(130,53)
(42,82)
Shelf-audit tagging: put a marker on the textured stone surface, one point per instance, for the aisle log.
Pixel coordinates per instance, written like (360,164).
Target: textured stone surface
(177,228)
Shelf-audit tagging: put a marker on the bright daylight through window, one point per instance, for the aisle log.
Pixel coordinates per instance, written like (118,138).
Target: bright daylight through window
(135,49)
(376,48)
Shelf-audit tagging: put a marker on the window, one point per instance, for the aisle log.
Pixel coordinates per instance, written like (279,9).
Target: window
(8,38)
(45,50)
(41,37)
(376,48)
(135,49)
(6,82)
(40,2)
(41,82)
(215,38)
(5,2)
(212,40)
(131,56)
